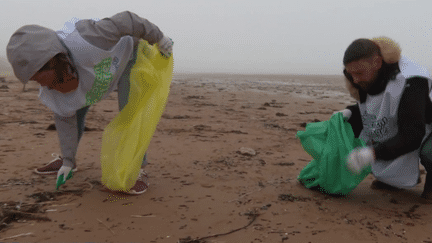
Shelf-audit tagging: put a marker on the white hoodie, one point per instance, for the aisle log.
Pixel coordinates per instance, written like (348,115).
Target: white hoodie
(31,46)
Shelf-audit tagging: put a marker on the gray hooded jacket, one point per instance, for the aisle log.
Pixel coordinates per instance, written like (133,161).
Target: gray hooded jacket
(31,46)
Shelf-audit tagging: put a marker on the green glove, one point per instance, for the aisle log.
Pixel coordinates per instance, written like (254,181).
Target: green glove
(61,180)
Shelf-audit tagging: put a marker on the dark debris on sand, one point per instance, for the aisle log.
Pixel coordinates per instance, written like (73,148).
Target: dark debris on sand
(16,211)
(51,196)
(190,240)
(292,198)
(11,211)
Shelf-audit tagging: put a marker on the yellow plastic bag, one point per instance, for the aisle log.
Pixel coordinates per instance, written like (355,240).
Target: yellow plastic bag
(127,136)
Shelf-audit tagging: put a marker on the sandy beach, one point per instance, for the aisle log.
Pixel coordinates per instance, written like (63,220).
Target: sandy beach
(223,165)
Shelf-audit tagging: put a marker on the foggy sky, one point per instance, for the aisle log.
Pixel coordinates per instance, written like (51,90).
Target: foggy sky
(250,36)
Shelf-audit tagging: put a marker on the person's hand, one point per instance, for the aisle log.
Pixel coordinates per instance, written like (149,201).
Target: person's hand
(359,158)
(64,174)
(166,46)
(347,113)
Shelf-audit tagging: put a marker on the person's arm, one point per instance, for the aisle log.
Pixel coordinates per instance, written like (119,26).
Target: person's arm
(67,130)
(411,121)
(355,120)
(107,32)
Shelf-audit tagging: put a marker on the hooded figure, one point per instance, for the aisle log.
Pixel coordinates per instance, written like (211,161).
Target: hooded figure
(30,47)
(391,54)
(79,66)
(392,115)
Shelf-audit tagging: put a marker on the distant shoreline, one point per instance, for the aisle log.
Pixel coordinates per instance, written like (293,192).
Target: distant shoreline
(253,74)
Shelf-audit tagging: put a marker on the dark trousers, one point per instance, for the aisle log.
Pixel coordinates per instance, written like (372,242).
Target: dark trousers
(426,160)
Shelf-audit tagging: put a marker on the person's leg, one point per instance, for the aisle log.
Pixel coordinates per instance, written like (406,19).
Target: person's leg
(141,184)
(81,114)
(123,92)
(124,82)
(144,161)
(123,88)
(426,161)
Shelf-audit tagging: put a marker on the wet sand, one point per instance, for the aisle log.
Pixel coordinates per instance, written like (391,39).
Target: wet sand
(203,184)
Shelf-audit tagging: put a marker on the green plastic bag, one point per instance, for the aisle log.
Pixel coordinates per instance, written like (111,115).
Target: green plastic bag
(329,143)
(127,136)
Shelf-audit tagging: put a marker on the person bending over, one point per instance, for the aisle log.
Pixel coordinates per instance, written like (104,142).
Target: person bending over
(79,66)
(392,115)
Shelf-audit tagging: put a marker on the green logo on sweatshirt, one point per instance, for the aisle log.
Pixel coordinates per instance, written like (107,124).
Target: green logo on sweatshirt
(101,83)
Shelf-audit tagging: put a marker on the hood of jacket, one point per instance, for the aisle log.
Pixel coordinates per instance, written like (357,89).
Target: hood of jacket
(30,47)
(391,53)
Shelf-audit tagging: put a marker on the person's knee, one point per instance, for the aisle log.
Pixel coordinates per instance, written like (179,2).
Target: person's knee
(426,154)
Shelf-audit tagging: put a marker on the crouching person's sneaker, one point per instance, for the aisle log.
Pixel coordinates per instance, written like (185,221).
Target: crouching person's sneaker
(52,167)
(141,185)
